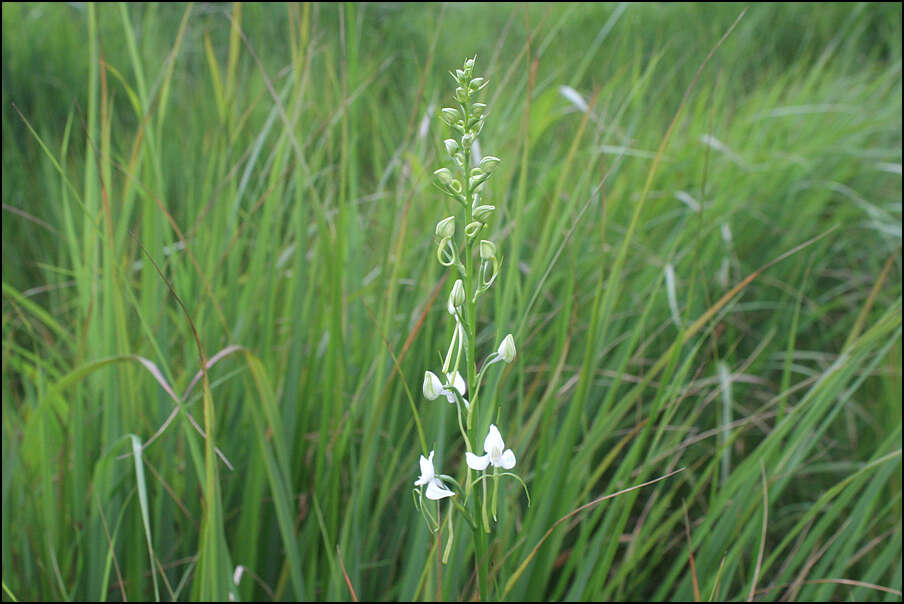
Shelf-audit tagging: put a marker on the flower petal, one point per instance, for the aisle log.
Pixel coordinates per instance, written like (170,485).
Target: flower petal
(477,463)
(436,490)
(493,440)
(508,460)
(427,471)
(458,383)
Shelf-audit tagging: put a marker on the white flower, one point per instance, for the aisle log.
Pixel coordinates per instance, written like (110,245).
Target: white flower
(435,487)
(496,453)
(507,349)
(458,383)
(433,388)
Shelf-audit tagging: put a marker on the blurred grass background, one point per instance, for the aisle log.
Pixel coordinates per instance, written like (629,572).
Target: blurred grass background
(248,186)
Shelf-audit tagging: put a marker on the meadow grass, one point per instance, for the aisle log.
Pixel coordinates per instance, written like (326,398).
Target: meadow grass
(220,294)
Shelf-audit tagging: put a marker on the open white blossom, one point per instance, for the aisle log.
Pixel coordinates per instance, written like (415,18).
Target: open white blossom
(496,453)
(435,487)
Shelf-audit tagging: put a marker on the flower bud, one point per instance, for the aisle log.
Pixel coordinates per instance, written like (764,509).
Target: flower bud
(457,297)
(472,229)
(483,213)
(445,228)
(442,178)
(469,63)
(478,108)
(476,83)
(461,95)
(449,116)
(459,75)
(433,388)
(451,146)
(489,163)
(506,349)
(487,250)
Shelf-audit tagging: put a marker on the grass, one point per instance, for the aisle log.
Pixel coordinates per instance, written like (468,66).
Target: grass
(217,252)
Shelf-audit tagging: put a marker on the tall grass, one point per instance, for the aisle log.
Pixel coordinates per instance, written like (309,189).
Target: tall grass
(220,295)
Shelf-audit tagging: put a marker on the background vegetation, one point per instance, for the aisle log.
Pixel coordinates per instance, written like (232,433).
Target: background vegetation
(249,187)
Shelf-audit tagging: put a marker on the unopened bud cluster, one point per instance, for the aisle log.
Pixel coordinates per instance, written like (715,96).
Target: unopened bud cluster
(465,184)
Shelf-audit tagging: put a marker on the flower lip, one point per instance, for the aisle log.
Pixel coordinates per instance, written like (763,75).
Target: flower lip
(435,487)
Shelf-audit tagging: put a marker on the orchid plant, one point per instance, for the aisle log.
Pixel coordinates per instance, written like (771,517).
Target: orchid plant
(464,184)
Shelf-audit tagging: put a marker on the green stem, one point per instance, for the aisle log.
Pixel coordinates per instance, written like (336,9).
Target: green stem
(470,323)
(495,490)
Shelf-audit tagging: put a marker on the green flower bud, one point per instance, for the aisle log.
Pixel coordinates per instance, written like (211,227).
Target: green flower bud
(469,63)
(443,178)
(483,213)
(477,84)
(457,297)
(461,95)
(487,250)
(478,108)
(445,228)
(473,229)
(450,116)
(489,163)
(451,146)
